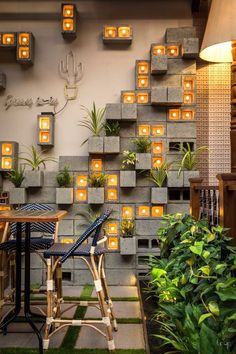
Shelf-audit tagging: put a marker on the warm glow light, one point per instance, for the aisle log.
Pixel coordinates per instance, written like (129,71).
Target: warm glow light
(81,181)
(6,163)
(110,31)
(67,240)
(128,97)
(8,38)
(174,114)
(218,53)
(96,165)
(112,243)
(157,211)
(68,24)
(157,148)
(44,123)
(157,130)
(127,212)
(144,211)
(24,39)
(111,194)
(188,84)
(157,161)
(144,130)
(143,67)
(112,180)
(124,31)
(158,50)
(188,98)
(81,195)
(187,114)
(173,51)
(112,229)
(68,11)
(44,137)
(142,97)
(24,52)
(143,81)
(7,149)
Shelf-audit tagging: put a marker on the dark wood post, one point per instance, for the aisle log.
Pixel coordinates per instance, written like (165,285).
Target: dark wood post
(195,194)
(227,202)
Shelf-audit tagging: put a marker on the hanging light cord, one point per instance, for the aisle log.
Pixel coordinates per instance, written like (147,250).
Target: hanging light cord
(60,110)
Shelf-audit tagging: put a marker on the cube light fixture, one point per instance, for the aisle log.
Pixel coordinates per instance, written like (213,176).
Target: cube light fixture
(25,48)
(81,195)
(174,114)
(187,114)
(158,50)
(8,39)
(142,97)
(158,130)
(142,81)
(8,155)
(144,211)
(117,34)
(188,97)
(142,67)
(157,211)
(128,97)
(112,180)
(172,50)
(112,228)
(188,83)
(113,243)
(144,130)
(96,165)
(46,129)
(157,148)
(81,181)
(127,212)
(69,16)
(112,195)
(157,161)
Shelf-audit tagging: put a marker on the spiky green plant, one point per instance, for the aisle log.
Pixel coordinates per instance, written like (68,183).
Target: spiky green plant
(97,180)
(159,175)
(16,177)
(143,145)
(190,158)
(93,120)
(35,158)
(64,179)
(129,159)
(112,128)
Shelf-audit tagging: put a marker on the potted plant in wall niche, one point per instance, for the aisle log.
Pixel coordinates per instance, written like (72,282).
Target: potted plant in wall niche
(94,122)
(143,153)
(127,239)
(17,195)
(159,176)
(112,139)
(35,160)
(64,194)
(128,178)
(96,183)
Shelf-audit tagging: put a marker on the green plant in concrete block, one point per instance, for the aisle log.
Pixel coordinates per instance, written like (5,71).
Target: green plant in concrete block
(16,177)
(97,180)
(159,175)
(112,128)
(64,179)
(35,159)
(129,159)
(143,145)
(93,120)
(190,158)
(127,228)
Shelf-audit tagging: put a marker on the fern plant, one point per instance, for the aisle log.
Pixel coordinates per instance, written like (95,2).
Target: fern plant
(16,177)
(159,175)
(97,180)
(143,145)
(35,159)
(64,179)
(129,159)
(190,158)
(112,128)
(93,120)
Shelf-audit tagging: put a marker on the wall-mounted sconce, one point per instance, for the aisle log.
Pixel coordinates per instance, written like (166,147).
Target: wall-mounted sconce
(142,81)
(96,165)
(142,78)
(144,130)
(157,211)
(157,148)
(25,48)
(128,97)
(172,50)
(117,34)
(46,129)
(112,194)
(157,161)
(112,180)
(158,130)
(188,98)
(81,181)
(174,114)
(69,17)
(81,195)
(188,83)
(8,155)
(144,211)
(142,97)
(112,243)
(112,228)
(142,67)
(127,212)
(8,39)
(158,50)
(187,114)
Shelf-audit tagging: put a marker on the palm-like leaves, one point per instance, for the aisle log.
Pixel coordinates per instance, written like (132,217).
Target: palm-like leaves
(16,177)
(93,120)
(143,145)
(190,158)
(35,159)
(159,175)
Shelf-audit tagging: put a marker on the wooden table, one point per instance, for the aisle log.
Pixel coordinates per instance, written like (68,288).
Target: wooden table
(26,217)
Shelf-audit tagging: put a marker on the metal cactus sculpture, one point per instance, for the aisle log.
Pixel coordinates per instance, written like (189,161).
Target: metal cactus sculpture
(72,71)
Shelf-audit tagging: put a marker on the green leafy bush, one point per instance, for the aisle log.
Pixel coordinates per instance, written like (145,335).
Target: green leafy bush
(64,179)
(127,228)
(159,175)
(97,180)
(112,128)
(143,145)
(129,159)
(16,177)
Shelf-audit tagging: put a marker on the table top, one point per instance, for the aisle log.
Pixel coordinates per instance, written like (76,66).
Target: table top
(32,215)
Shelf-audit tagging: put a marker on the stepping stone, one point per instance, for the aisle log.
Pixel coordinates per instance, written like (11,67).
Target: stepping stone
(121,291)
(122,309)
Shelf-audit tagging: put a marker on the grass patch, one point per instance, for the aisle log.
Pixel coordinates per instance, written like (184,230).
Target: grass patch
(69,351)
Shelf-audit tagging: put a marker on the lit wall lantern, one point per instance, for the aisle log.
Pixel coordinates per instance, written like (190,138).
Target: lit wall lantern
(142,81)
(96,165)
(109,32)
(81,195)
(188,83)
(174,114)
(46,129)
(158,50)
(173,50)
(25,48)
(69,21)
(142,68)
(157,148)
(127,212)
(144,211)
(8,155)
(112,180)
(187,114)
(8,39)
(124,32)
(112,194)
(188,98)
(112,229)
(120,34)
(81,181)
(112,243)
(142,97)
(144,130)
(158,130)
(128,97)
(157,211)
(157,161)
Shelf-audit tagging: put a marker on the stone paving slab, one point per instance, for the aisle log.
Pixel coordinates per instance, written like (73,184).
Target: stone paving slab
(128,336)
(121,291)
(122,309)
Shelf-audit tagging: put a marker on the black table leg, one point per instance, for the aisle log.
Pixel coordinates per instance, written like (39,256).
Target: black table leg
(27,287)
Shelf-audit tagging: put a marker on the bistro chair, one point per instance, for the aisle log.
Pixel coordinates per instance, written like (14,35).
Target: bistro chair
(93,256)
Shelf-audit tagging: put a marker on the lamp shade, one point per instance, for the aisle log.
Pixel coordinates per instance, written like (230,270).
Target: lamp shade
(220,32)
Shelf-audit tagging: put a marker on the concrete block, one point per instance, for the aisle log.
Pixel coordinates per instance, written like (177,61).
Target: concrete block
(159,64)
(3,81)
(95,195)
(64,195)
(95,145)
(82,277)
(181,130)
(147,227)
(190,47)
(175,96)
(126,277)
(135,195)
(128,179)
(66,228)
(182,66)
(113,111)
(129,111)
(33,179)
(128,130)
(144,161)
(189,174)
(74,163)
(175,179)
(166,80)
(113,163)
(159,195)
(152,114)
(127,246)
(80,226)
(173,208)
(177,35)
(159,96)
(126,144)
(50,179)
(173,158)
(79,264)
(116,261)
(43,195)
(36,276)
(17,196)
(111,144)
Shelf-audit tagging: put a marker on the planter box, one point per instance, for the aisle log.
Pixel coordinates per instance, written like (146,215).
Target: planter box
(33,179)
(144,162)
(64,195)
(127,246)
(95,145)
(189,174)
(175,180)
(159,195)
(111,144)
(96,195)
(128,179)
(17,196)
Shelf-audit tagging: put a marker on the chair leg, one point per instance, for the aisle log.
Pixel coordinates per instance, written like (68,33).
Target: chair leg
(49,304)
(58,288)
(103,305)
(1,284)
(13,275)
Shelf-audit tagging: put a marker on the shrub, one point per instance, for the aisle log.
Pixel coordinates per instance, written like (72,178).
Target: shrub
(143,145)
(129,159)
(112,128)
(127,228)
(16,177)
(97,180)
(64,179)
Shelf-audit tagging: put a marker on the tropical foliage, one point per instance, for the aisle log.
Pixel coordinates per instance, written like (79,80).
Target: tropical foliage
(97,180)
(190,158)
(35,159)
(16,177)
(127,228)
(112,128)
(143,145)
(159,175)
(129,159)
(64,178)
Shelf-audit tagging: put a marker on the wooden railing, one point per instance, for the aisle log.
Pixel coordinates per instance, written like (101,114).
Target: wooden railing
(216,203)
